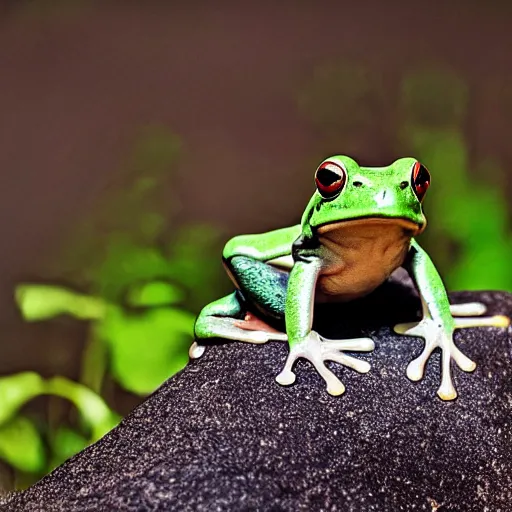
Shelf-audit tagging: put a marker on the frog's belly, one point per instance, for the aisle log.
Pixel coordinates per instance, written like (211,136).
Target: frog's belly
(360,255)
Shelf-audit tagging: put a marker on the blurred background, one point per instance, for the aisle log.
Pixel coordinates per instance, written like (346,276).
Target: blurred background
(137,137)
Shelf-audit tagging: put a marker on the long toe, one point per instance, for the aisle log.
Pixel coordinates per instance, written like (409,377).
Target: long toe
(354,344)
(351,362)
(447,392)
(415,369)
(196,351)
(285,378)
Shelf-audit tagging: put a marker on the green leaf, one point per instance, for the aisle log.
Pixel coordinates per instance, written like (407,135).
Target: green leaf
(94,360)
(65,443)
(21,445)
(156,293)
(126,263)
(92,408)
(147,349)
(192,263)
(41,302)
(16,390)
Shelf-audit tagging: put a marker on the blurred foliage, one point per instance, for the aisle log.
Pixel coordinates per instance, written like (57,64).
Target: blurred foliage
(468,213)
(144,347)
(468,234)
(21,442)
(141,279)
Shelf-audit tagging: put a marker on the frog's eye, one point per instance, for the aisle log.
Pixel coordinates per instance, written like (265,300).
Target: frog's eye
(420,180)
(329,179)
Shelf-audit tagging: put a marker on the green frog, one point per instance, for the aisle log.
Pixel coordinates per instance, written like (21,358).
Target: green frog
(358,227)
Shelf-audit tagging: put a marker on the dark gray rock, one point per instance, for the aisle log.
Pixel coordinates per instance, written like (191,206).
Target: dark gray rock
(222,435)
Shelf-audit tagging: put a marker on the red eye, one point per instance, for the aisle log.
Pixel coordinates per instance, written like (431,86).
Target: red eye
(329,178)
(420,180)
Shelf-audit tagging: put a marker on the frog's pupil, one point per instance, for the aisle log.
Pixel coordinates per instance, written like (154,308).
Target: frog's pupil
(421,180)
(330,179)
(327,177)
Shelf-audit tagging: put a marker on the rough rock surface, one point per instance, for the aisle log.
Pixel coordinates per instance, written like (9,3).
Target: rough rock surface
(222,435)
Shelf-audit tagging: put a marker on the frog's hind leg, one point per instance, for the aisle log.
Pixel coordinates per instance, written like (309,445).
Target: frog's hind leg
(223,319)
(253,323)
(470,310)
(263,285)
(466,315)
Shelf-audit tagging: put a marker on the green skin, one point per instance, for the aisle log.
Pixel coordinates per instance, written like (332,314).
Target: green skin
(343,249)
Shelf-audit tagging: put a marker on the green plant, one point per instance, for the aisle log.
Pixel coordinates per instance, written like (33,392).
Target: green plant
(22,444)
(468,232)
(140,349)
(139,291)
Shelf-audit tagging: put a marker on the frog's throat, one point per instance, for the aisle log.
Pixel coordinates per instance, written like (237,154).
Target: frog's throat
(410,228)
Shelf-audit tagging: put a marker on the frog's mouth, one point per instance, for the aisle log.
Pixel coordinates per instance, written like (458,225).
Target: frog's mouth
(409,227)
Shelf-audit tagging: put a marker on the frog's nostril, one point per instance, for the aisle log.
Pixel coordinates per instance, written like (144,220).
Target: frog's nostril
(357,184)
(404,185)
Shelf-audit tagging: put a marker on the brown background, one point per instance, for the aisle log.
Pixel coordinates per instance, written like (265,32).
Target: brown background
(78,79)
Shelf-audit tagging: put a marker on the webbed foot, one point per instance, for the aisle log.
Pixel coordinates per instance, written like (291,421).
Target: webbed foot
(437,335)
(318,350)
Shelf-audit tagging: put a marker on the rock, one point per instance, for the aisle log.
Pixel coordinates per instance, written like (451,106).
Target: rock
(222,435)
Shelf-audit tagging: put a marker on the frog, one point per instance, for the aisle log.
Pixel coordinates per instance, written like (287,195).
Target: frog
(359,227)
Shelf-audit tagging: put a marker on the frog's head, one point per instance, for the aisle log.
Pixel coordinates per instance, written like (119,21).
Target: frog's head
(348,192)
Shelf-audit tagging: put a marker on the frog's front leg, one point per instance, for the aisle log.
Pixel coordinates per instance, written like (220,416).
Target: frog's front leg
(306,343)
(438,323)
